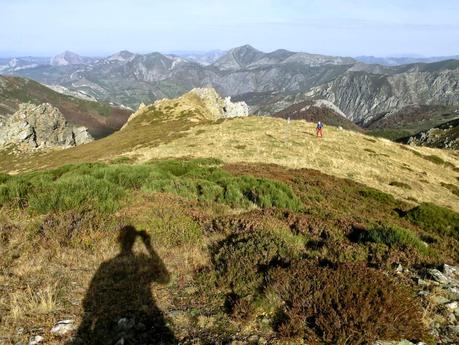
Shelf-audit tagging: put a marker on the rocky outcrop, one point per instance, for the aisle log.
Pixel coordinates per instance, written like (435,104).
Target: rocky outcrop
(41,126)
(200,104)
(218,106)
(445,136)
(140,111)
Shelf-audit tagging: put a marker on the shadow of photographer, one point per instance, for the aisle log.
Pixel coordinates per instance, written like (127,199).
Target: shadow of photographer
(119,307)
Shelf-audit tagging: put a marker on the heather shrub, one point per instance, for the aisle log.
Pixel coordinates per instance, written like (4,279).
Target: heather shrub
(241,260)
(347,304)
(435,218)
(392,236)
(377,195)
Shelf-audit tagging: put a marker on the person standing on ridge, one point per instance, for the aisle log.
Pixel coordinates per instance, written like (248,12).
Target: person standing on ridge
(319,129)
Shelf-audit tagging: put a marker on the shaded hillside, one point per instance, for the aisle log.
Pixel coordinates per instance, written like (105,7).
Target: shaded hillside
(445,136)
(312,111)
(101,119)
(411,120)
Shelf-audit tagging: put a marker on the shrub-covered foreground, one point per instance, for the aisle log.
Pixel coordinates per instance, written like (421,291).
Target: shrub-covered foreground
(283,254)
(347,304)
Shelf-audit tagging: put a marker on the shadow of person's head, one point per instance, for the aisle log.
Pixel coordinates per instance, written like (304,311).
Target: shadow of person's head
(127,237)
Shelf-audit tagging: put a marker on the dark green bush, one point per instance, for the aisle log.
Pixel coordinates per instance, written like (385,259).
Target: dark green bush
(349,304)
(377,195)
(392,236)
(241,260)
(400,184)
(451,187)
(4,177)
(435,218)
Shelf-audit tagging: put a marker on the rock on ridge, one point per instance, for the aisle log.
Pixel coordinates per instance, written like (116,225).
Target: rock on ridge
(41,126)
(199,104)
(140,110)
(218,106)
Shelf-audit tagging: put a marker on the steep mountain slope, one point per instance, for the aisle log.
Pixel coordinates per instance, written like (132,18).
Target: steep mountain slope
(101,119)
(183,128)
(363,95)
(247,57)
(314,111)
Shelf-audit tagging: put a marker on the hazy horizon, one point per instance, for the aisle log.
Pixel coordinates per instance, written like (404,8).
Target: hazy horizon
(331,27)
(184,52)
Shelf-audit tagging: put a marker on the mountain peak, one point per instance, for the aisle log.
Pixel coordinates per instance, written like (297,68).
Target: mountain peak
(245,47)
(67,58)
(122,56)
(239,57)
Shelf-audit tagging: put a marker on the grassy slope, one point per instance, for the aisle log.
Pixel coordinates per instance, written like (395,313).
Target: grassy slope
(58,229)
(101,119)
(179,128)
(233,236)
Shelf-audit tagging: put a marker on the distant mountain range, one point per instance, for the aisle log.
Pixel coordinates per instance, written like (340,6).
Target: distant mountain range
(397,61)
(267,82)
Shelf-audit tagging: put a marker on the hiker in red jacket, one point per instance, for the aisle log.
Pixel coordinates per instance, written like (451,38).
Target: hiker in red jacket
(319,129)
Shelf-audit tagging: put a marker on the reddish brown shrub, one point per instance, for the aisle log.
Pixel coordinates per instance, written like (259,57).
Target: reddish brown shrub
(348,304)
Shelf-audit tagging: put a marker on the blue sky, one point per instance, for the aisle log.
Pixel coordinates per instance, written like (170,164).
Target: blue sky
(338,27)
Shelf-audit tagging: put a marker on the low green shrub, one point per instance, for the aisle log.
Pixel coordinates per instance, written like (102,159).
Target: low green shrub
(435,218)
(400,184)
(101,186)
(377,195)
(170,228)
(75,192)
(434,159)
(392,236)
(4,177)
(348,304)
(451,187)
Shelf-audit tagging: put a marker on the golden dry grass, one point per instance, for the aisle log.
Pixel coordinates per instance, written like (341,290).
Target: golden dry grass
(182,128)
(375,162)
